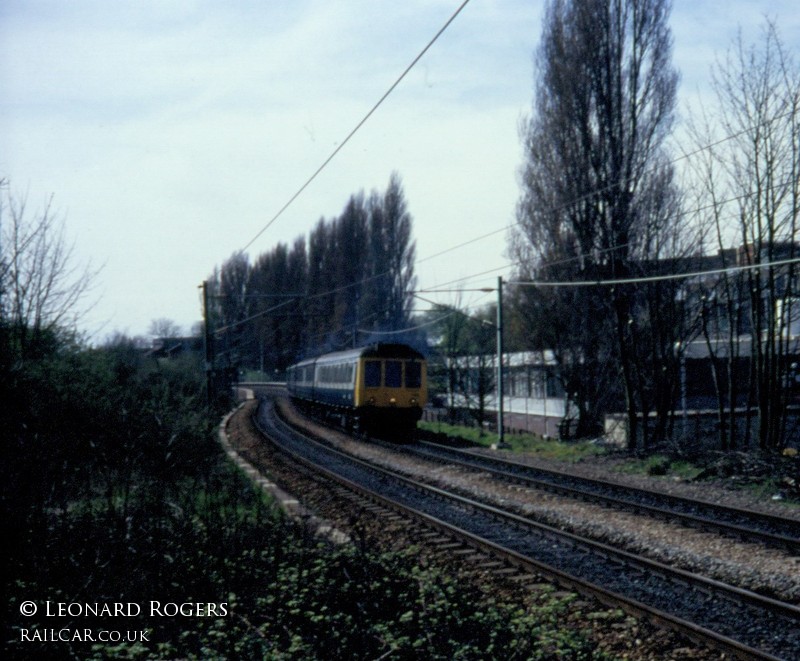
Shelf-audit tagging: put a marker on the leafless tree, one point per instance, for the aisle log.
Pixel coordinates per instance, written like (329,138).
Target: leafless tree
(750,185)
(164,327)
(598,197)
(44,289)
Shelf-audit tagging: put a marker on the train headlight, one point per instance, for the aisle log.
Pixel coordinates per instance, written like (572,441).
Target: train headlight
(413,401)
(393,400)
(371,400)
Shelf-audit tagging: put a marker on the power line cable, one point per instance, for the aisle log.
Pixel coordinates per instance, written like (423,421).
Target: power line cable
(438,288)
(365,331)
(636,280)
(581,256)
(358,126)
(568,204)
(590,194)
(653,278)
(487,235)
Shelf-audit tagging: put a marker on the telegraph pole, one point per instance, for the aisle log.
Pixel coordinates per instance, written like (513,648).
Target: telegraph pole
(208,346)
(500,431)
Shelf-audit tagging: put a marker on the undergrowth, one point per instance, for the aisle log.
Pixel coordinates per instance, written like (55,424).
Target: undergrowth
(546,448)
(286,595)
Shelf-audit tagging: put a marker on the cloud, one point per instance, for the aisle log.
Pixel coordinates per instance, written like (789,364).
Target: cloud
(170,131)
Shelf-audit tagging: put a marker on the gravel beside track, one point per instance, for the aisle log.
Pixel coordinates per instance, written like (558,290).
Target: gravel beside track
(719,491)
(743,524)
(770,572)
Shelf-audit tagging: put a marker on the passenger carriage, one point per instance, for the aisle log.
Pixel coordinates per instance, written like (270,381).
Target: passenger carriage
(380,388)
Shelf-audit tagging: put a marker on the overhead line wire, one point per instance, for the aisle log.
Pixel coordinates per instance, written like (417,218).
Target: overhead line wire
(333,155)
(280,212)
(570,203)
(650,278)
(543,283)
(358,126)
(566,260)
(374,108)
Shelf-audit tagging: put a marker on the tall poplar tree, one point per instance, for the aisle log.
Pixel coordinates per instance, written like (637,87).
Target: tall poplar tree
(597,191)
(392,253)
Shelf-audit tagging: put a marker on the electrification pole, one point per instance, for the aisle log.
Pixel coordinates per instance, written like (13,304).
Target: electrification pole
(500,431)
(208,346)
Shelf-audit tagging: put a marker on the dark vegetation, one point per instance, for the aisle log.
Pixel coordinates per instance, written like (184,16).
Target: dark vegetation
(114,490)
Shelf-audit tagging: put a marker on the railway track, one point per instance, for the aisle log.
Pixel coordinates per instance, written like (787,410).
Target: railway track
(743,524)
(739,622)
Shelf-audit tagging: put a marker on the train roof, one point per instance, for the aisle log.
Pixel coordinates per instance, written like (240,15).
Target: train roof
(380,350)
(389,350)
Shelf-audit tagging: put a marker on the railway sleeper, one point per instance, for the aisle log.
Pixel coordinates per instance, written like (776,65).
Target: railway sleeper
(525,577)
(429,535)
(505,571)
(475,559)
(439,540)
(447,546)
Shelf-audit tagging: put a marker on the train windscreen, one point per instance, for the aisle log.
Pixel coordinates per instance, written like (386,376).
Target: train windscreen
(394,374)
(413,375)
(372,374)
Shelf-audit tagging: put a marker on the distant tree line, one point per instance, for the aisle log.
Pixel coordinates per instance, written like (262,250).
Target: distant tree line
(344,285)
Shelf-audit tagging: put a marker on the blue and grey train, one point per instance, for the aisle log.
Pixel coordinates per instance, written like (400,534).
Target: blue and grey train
(379,389)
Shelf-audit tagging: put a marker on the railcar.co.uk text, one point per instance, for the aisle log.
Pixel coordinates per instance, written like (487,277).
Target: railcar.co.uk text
(153,609)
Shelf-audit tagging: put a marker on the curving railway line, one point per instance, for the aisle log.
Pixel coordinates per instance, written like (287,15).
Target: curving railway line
(740,622)
(738,523)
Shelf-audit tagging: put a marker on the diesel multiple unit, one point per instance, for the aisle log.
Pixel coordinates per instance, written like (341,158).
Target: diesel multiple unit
(378,389)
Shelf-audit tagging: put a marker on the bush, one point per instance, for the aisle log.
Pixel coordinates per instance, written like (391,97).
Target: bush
(117,492)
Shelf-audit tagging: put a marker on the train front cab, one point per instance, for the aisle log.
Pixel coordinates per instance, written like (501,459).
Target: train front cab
(390,394)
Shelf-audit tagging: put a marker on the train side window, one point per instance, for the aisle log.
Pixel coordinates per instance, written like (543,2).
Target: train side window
(413,375)
(372,374)
(394,374)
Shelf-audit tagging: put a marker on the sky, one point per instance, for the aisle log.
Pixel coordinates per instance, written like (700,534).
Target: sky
(170,133)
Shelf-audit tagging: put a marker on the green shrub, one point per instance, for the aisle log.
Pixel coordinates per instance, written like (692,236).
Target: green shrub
(546,448)
(116,491)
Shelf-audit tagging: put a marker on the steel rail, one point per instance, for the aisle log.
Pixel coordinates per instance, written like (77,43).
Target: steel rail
(475,460)
(632,606)
(789,542)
